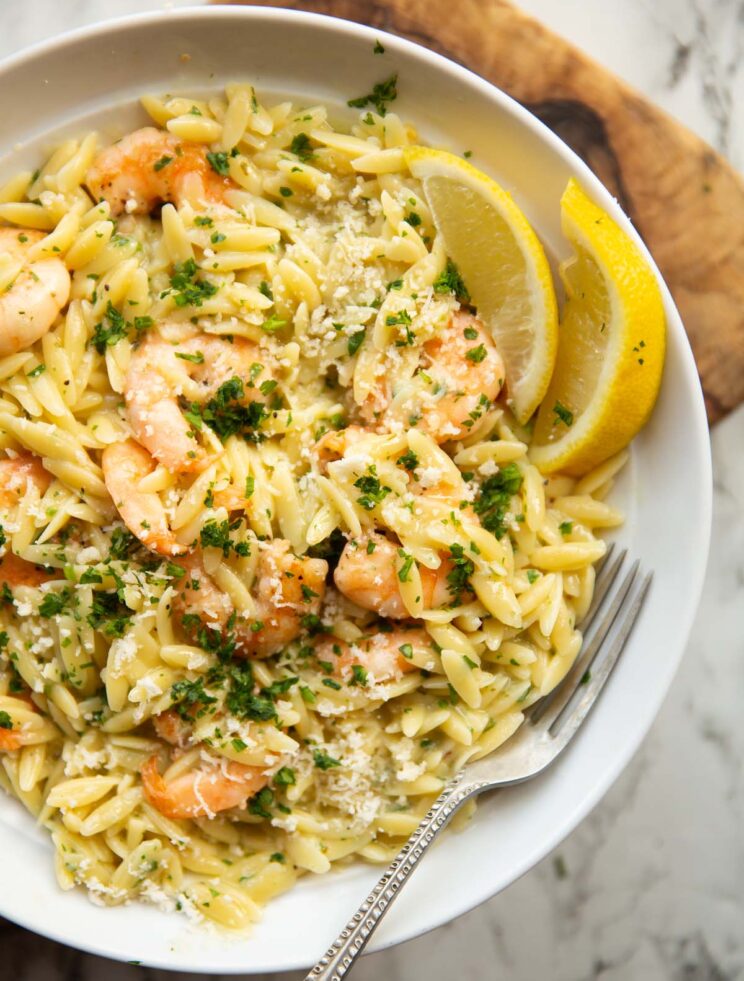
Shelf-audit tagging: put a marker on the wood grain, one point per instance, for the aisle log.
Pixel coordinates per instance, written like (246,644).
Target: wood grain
(684,198)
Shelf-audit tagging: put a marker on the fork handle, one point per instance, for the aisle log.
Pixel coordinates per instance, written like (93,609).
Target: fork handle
(352,940)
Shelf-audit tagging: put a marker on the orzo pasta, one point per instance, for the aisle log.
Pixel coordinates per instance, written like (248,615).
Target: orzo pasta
(276,562)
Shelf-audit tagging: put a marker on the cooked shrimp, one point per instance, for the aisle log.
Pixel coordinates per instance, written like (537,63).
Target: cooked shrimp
(336,442)
(464,362)
(10,739)
(15,736)
(383,655)
(172,728)
(150,166)
(367,575)
(15,571)
(201,596)
(160,372)
(124,465)
(464,373)
(287,588)
(20,476)
(202,792)
(40,288)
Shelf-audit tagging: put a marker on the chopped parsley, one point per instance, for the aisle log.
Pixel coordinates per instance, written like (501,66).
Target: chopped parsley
(402,317)
(565,527)
(110,330)
(241,700)
(459,575)
(323,761)
(123,543)
(382,93)
(378,49)
(227,414)
(404,573)
(358,675)
(273,323)
(356,340)
(186,288)
(373,492)
(5,721)
(219,162)
(495,496)
(190,699)
(216,534)
(450,281)
(476,354)
(163,162)
(301,148)
(284,777)
(260,803)
(54,603)
(563,414)
(197,358)
(409,460)
(109,615)
(280,687)
(312,623)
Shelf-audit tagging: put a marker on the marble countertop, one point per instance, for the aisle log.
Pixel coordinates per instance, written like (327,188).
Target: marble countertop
(651,886)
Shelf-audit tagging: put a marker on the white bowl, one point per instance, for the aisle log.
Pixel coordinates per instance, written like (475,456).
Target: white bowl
(92,78)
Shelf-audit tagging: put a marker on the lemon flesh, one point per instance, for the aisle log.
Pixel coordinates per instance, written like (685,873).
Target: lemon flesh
(502,264)
(611,344)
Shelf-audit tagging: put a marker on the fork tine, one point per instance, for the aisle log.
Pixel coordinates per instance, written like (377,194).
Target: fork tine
(565,691)
(601,563)
(570,717)
(605,577)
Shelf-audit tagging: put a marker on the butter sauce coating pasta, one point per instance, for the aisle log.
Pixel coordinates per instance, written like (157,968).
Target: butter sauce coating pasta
(275,561)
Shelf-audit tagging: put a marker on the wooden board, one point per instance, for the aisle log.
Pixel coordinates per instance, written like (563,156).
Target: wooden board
(684,198)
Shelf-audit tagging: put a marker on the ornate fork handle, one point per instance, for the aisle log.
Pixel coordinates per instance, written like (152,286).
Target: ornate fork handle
(355,935)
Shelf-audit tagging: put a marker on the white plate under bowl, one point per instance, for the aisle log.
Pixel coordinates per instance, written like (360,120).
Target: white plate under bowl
(93,78)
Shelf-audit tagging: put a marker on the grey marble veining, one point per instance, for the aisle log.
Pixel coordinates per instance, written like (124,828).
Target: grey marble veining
(651,886)
(687,55)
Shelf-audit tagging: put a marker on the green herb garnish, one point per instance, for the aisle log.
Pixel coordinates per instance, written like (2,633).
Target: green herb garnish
(382,93)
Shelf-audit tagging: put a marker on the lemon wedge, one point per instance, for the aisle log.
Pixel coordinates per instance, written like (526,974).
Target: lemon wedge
(502,264)
(611,346)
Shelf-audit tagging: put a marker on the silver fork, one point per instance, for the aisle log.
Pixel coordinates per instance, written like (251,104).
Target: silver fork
(549,726)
